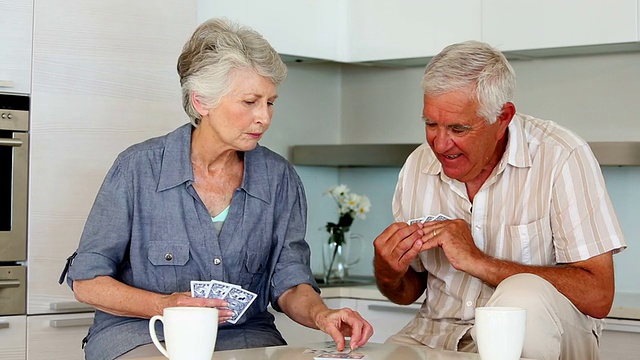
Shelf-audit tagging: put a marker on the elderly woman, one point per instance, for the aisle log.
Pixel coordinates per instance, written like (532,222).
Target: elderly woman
(205,202)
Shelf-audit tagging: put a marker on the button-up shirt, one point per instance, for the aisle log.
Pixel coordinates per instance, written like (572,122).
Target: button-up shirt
(545,203)
(149,229)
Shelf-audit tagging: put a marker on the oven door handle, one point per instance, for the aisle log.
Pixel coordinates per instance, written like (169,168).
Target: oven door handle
(9,283)
(10,142)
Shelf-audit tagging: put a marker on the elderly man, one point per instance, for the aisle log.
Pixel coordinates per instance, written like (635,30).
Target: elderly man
(531,224)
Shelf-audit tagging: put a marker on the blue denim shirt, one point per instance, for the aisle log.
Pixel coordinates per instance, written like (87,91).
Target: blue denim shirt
(149,229)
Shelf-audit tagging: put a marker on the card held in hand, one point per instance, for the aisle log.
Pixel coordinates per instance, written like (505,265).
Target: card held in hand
(239,301)
(200,289)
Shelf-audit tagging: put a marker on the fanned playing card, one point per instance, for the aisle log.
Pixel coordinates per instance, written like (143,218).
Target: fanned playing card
(200,289)
(239,301)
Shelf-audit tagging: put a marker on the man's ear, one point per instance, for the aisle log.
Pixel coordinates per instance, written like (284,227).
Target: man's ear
(507,113)
(504,119)
(196,100)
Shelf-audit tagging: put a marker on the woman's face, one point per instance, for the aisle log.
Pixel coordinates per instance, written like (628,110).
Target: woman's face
(244,114)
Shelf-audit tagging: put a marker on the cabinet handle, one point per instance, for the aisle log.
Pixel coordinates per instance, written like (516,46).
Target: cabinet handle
(70,306)
(9,283)
(6,83)
(65,323)
(396,309)
(11,142)
(4,325)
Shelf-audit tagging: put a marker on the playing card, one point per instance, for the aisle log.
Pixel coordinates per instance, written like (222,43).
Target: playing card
(219,289)
(239,301)
(200,289)
(351,355)
(413,221)
(441,217)
(428,218)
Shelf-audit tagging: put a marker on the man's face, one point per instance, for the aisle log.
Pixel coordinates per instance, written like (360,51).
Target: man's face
(467,147)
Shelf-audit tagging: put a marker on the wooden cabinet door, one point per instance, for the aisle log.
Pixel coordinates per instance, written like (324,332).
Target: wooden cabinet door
(386,317)
(539,24)
(13,337)
(57,337)
(104,78)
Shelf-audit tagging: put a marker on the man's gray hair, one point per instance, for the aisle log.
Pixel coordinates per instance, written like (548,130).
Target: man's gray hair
(477,66)
(217,47)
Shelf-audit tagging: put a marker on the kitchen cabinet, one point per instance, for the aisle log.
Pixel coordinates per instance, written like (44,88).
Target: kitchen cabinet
(16,44)
(315,31)
(13,337)
(409,32)
(296,334)
(104,78)
(386,317)
(408,29)
(57,337)
(536,24)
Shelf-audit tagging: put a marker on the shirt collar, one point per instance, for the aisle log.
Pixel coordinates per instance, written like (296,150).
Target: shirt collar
(176,160)
(177,168)
(517,152)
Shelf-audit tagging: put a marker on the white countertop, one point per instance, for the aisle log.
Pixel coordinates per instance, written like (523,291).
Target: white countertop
(372,350)
(625,305)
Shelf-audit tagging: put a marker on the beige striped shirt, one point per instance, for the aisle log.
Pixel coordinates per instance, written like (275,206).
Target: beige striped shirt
(545,203)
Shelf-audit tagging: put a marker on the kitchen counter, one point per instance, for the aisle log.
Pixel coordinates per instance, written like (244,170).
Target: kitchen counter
(625,305)
(372,350)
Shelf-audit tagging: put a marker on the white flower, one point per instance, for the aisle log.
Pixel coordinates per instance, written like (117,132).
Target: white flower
(352,204)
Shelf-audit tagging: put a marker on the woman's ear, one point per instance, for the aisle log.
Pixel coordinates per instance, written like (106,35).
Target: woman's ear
(200,107)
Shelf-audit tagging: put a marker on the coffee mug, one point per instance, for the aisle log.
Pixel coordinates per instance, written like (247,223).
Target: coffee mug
(189,332)
(500,332)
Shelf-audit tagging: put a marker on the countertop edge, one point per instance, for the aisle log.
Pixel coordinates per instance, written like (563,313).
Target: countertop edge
(625,305)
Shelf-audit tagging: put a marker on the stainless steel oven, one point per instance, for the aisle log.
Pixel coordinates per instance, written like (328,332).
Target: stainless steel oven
(14,168)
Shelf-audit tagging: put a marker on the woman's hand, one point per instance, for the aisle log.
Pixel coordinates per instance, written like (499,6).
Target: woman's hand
(185,299)
(343,323)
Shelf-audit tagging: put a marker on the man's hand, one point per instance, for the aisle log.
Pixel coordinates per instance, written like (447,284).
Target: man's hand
(343,323)
(395,249)
(454,237)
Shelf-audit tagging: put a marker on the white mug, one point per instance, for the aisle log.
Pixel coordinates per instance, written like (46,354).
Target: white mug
(189,332)
(500,332)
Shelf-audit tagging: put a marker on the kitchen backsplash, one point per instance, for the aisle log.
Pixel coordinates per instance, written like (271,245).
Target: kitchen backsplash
(379,184)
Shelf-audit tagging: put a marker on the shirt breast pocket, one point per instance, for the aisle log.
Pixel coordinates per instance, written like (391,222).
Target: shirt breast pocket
(167,259)
(530,243)
(255,264)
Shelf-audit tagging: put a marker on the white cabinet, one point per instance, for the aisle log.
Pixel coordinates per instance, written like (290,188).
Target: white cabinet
(57,337)
(306,28)
(296,334)
(386,317)
(404,29)
(365,31)
(538,24)
(13,337)
(104,78)
(16,20)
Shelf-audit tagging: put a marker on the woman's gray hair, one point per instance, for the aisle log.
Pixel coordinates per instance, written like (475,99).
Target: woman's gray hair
(477,65)
(216,48)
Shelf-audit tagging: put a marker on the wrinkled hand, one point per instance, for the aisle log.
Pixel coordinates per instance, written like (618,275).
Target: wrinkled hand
(395,249)
(454,237)
(185,299)
(343,323)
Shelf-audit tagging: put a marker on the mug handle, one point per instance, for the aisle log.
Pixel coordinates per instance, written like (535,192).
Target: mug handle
(154,337)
